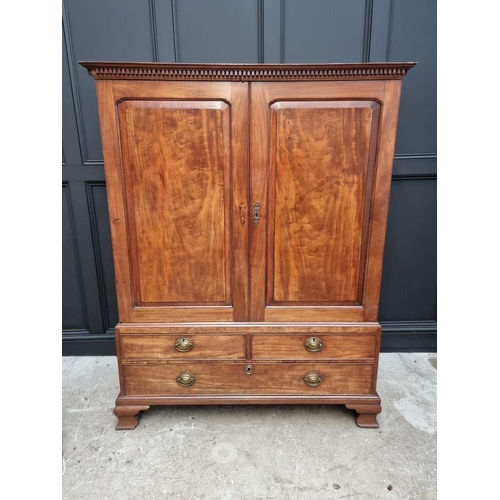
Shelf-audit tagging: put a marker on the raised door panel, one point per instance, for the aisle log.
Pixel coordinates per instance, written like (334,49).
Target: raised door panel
(179,187)
(320,166)
(322,151)
(176,170)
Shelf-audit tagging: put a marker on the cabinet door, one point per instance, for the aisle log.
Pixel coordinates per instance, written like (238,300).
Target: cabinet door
(321,168)
(176,161)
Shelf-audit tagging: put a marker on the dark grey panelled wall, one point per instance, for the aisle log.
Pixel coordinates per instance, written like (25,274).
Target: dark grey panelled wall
(257,31)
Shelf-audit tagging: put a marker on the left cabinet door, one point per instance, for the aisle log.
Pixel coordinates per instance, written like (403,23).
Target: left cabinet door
(176,163)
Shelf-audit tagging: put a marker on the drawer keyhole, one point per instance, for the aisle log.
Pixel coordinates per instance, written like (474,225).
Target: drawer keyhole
(249,369)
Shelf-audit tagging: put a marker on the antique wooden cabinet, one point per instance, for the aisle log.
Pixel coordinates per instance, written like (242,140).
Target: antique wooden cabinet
(248,208)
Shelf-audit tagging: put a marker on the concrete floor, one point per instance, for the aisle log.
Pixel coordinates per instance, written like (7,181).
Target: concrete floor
(250,452)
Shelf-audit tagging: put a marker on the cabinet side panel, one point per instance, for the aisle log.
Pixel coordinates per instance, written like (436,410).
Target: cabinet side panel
(380,201)
(176,172)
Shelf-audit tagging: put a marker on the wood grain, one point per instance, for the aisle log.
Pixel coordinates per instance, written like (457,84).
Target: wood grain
(116,200)
(320,153)
(312,171)
(246,399)
(240,144)
(231,284)
(127,416)
(268,378)
(205,347)
(367,414)
(314,313)
(280,347)
(380,199)
(259,180)
(251,327)
(176,170)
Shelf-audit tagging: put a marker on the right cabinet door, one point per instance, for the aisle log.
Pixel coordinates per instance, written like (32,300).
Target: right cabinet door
(321,161)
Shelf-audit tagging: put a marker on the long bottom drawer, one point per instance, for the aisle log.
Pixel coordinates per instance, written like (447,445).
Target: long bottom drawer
(239,378)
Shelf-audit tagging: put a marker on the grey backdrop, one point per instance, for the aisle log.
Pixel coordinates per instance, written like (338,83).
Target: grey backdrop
(257,31)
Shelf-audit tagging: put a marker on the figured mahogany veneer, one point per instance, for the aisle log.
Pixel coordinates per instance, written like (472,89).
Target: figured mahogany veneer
(332,347)
(205,346)
(171,201)
(230,378)
(248,208)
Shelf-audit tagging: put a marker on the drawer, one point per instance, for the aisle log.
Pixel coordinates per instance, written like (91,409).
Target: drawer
(203,346)
(293,346)
(231,378)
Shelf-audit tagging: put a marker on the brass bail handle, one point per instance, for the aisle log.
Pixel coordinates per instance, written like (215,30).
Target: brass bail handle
(183,344)
(185,379)
(256,213)
(313,379)
(243,214)
(313,344)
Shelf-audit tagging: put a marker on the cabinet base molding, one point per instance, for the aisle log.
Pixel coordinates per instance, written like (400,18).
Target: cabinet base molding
(127,408)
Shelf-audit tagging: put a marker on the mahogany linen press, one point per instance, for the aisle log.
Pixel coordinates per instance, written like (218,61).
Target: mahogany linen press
(248,210)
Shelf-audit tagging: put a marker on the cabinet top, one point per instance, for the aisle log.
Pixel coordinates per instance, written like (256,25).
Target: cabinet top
(246,72)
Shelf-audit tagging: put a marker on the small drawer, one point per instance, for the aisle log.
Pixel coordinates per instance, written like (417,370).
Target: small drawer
(313,346)
(236,378)
(180,347)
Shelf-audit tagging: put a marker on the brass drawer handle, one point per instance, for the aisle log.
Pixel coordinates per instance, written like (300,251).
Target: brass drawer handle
(313,344)
(185,379)
(183,344)
(243,214)
(312,379)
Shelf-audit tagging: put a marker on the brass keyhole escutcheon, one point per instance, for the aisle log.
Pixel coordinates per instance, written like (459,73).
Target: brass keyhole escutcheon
(249,369)
(256,213)
(183,344)
(312,379)
(185,379)
(313,344)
